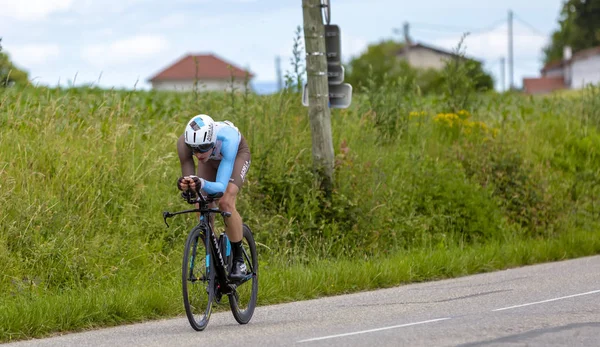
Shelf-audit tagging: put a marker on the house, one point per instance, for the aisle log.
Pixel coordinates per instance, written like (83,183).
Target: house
(575,71)
(205,72)
(423,56)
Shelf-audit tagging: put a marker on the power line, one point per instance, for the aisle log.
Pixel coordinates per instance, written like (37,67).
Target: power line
(531,27)
(454,33)
(491,27)
(451,28)
(420,26)
(441,27)
(443,31)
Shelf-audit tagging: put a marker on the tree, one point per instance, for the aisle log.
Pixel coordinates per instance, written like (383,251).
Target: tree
(579,28)
(9,74)
(377,61)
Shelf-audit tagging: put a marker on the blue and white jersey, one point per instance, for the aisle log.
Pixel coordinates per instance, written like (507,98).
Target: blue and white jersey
(226,147)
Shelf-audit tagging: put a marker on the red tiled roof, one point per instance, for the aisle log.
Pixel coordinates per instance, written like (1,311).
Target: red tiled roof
(206,66)
(543,85)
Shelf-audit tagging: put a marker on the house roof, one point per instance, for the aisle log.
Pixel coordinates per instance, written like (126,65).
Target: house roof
(555,64)
(430,48)
(543,84)
(202,66)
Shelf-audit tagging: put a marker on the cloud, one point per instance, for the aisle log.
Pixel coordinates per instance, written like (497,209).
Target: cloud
(105,32)
(113,7)
(170,21)
(124,51)
(31,10)
(33,54)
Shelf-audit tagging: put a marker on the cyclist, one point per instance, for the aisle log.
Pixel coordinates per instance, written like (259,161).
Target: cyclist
(223,161)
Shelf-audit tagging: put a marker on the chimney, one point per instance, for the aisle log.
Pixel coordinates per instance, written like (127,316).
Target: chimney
(567,55)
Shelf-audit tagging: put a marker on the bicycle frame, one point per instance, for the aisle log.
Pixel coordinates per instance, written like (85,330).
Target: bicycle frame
(225,285)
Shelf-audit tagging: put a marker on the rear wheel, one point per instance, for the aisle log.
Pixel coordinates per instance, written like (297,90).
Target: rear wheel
(243,299)
(198,279)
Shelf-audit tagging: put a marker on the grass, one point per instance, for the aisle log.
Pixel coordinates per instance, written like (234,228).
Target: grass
(421,193)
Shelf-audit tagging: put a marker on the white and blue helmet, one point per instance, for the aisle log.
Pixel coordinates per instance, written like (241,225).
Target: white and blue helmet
(200,133)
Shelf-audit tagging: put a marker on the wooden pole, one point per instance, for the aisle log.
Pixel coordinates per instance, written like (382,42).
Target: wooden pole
(318,92)
(510,51)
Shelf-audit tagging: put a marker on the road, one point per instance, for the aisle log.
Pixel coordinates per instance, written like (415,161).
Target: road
(552,304)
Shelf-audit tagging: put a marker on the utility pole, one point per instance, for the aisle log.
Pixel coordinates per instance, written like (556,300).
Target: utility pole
(278,72)
(407,41)
(406,30)
(502,75)
(510,50)
(318,92)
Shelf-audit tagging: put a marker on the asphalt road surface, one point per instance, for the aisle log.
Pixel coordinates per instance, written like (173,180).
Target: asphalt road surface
(553,304)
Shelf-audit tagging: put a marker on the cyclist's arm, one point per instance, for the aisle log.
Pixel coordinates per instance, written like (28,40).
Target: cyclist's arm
(186,158)
(229,148)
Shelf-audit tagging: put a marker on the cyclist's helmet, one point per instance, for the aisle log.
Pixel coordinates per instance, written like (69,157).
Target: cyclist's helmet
(200,133)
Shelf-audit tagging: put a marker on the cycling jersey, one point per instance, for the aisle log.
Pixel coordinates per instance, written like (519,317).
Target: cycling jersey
(225,150)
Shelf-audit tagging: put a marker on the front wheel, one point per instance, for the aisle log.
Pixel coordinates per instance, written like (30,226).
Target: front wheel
(198,279)
(243,299)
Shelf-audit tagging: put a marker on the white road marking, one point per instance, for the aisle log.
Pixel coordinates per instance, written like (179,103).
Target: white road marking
(549,300)
(373,330)
(442,319)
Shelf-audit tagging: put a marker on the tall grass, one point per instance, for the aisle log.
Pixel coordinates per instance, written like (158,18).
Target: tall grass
(85,174)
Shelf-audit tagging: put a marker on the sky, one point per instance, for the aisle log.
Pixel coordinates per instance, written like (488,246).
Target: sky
(123,43)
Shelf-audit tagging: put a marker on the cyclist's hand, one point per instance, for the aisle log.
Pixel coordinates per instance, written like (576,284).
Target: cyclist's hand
(196,183)
(183,183)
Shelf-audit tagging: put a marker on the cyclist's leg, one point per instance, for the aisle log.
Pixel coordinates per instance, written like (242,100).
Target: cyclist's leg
(233,224)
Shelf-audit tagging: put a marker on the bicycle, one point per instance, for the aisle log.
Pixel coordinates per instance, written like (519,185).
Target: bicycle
(209,269)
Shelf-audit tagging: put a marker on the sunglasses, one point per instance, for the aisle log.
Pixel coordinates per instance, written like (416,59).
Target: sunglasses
(203,148)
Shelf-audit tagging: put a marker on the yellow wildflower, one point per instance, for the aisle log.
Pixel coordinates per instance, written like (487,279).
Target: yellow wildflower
(448,118)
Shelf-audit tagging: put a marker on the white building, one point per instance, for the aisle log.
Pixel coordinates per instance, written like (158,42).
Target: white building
(205,72)
(585,68)
(575,71)
(422,56)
